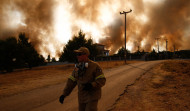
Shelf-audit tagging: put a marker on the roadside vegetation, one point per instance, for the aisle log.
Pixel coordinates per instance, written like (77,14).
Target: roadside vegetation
(164,88)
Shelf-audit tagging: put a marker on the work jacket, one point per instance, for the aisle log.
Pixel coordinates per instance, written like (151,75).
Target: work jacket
(94,75)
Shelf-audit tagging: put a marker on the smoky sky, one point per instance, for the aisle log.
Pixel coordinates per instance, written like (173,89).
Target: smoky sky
(167,20)
(164,19)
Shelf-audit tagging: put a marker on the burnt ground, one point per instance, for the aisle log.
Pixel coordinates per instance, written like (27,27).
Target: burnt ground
(165,87)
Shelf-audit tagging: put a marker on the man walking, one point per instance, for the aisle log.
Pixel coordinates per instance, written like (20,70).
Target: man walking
(89,77)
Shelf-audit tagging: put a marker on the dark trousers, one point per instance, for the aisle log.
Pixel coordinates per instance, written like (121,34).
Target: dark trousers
(90,106)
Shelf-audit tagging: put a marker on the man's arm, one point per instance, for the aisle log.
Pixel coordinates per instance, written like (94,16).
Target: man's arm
(71,83)
(100,79)
(68,89)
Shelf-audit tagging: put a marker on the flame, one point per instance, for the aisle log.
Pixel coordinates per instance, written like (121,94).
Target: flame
(143,18)
(83,2)
(154,1)
(106,14)
(51,23)
(62,24)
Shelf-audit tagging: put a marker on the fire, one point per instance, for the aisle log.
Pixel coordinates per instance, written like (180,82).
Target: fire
(91,29)
(143,18)
(51,23)
(129,45)
(106,14)
(154,1)
(62,24)
(83,2)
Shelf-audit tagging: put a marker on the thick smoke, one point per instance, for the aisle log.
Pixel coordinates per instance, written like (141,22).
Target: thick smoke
(164,19)
(86,10)
(115,40)
(34,17)
(169,20)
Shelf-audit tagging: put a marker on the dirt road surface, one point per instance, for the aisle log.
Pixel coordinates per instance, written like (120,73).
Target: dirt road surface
(46,98)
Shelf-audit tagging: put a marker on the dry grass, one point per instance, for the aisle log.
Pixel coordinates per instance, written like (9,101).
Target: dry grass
(165,90)
(178,66)
(28,79)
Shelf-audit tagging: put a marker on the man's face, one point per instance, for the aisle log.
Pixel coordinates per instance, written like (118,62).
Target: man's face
(82,57)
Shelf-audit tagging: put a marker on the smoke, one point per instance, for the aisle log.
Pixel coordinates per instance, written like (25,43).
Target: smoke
(33,17)
(165,20)
(51,23)
(115,40)
(169,19)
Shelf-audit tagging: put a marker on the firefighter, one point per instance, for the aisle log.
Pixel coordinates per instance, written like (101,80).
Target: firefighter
(89,77)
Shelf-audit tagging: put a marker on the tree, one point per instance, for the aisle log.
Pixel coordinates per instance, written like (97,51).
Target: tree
(121,52)
(153,55)
(153,51)
(92,48)
(41,60)
(27,54)
(49,58)
(53,59)
(18,54)
(8,50)
(75,43)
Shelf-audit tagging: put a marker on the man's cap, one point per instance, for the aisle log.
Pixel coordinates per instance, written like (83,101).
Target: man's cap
(83,50)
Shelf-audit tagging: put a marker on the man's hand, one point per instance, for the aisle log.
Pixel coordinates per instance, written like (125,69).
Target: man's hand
(87,86)
(61,99)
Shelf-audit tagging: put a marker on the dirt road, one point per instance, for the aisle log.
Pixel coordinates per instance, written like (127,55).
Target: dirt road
(46,98)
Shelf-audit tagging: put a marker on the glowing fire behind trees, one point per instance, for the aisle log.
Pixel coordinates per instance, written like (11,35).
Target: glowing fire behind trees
(51,23)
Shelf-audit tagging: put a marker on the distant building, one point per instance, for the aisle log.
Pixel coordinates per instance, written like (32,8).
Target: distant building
(101,50)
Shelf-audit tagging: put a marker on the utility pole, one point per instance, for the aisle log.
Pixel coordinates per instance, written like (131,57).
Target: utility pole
(138,48)
(166,48)
(158,43)
(174,49)
(166,45)
(125,30)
